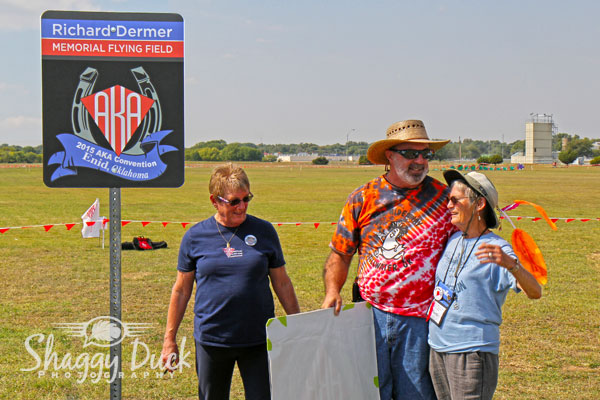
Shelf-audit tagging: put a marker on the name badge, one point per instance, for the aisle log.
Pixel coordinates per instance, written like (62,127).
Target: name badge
(443,297)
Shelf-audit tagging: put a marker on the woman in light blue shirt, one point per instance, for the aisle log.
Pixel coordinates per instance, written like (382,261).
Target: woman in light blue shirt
(473,278)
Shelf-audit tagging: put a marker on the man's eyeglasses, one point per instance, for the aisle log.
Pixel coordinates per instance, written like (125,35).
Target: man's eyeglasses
(411,154)
(237,201)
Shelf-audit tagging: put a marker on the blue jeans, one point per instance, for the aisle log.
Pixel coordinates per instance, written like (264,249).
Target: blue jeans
(402,357)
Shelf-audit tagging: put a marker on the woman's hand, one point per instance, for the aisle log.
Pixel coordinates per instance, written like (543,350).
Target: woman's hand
(169,355)
(491,253)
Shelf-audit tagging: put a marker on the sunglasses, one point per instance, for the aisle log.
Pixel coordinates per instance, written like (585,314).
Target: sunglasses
(455,200)
(411,154)
(237,201)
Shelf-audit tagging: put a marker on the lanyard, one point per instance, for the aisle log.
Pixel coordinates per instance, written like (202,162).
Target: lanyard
(459,266)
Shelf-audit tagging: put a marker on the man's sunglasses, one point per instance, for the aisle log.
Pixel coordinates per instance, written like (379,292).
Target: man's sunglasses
(411,154)
(237,201)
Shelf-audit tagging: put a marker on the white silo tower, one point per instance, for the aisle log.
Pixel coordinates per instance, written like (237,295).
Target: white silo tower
(538,139)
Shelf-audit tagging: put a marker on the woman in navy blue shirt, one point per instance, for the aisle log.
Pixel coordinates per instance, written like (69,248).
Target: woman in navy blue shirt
(232,257)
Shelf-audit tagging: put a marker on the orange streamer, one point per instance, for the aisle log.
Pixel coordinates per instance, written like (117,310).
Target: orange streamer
(530,255)
(540,210)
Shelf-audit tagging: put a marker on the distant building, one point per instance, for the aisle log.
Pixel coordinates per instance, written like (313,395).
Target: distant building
(304,157)
(538,141)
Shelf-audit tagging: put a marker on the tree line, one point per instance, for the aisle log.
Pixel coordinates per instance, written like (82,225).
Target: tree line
(220,150)
(20,155)
(467,149)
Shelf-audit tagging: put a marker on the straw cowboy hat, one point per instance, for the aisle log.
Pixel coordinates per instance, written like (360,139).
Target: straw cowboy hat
(409,131)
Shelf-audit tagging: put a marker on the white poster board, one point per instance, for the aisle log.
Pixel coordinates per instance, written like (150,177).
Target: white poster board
(320,356)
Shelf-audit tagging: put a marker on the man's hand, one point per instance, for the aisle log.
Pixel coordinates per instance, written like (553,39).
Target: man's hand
(334,276)
(333,300)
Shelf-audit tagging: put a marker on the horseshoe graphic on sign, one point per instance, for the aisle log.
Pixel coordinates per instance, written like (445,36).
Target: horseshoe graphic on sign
(153,120)
(79,115)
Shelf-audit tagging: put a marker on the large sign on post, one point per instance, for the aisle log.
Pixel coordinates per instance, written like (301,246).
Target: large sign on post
(112,99)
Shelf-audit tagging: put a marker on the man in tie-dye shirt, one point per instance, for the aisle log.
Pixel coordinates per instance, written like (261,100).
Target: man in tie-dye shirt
(399,224)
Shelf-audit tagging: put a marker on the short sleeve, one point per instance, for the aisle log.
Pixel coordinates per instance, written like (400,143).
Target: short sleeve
(346,238)
(276,258)
(503,278)
(185,263)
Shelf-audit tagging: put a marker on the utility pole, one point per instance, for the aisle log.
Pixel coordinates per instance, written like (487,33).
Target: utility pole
(347,136)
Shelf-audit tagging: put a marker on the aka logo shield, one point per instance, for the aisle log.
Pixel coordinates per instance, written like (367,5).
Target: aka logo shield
(117,130)
(118,112)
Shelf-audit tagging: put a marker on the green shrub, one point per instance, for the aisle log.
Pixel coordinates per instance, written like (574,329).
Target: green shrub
(483,160)
(269,158)
(320,161)
(496,159)
(363,160)
(567,157)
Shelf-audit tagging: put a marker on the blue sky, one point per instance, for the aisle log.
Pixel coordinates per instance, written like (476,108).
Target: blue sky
(317,71)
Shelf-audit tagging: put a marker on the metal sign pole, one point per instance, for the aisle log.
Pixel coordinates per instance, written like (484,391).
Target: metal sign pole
(115,288)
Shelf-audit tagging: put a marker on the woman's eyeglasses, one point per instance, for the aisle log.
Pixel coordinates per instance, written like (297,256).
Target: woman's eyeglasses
(411,154)
(237,201)
(455,200)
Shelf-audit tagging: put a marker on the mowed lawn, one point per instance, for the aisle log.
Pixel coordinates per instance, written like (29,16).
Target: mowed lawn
(550,347)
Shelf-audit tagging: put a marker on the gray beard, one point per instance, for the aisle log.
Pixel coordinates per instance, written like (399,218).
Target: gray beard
(412,177)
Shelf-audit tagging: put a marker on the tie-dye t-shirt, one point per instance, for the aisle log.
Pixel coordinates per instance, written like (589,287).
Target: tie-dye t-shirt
(400,235)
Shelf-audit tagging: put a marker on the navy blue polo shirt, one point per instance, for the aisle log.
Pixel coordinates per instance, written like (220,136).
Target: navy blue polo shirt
(233,298)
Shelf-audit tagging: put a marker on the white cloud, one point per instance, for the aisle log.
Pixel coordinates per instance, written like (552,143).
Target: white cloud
(21,130)
(20,122)
(8,87)
(18,15)
(192,80)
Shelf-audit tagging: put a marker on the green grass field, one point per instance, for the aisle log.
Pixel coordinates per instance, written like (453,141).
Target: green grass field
(550,347)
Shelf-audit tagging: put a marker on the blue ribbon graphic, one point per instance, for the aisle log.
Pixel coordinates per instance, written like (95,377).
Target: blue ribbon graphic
(80,153)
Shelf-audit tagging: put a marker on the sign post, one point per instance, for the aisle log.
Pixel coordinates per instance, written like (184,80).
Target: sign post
(115,286)
(112,111)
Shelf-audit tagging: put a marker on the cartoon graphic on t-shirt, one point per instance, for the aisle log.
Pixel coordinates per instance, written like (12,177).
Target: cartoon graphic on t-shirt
(391,247)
